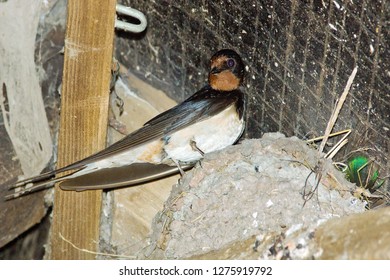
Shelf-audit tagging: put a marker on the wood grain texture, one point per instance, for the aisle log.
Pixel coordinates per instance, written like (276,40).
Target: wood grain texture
(84,110)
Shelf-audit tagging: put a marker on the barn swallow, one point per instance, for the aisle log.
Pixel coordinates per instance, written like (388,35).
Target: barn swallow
(209,120)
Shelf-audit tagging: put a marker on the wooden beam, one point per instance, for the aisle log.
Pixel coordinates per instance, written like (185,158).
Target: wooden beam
(84,110)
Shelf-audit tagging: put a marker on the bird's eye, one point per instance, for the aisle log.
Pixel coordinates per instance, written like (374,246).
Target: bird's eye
(230,62)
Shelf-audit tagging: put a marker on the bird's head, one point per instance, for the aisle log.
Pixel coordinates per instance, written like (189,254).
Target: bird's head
(226,70)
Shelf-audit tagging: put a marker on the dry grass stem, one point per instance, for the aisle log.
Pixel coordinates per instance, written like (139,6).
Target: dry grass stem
(93,252)
(337,109)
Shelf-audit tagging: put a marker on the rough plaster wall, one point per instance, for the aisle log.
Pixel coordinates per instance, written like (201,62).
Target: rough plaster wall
(30,67)
(24,115)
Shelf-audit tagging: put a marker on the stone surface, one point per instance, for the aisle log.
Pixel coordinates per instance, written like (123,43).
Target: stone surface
(361,236)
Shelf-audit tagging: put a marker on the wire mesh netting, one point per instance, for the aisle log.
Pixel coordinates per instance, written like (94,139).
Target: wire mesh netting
(299,55)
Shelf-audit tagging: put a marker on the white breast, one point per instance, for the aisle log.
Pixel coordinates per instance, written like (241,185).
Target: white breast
(210,135)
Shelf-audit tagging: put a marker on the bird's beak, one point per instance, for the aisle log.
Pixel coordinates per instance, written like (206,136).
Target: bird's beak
(215,70)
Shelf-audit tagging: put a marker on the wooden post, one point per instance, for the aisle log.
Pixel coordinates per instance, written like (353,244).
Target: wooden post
(84,110)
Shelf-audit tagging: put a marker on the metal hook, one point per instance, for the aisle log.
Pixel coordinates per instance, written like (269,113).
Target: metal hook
(130,27)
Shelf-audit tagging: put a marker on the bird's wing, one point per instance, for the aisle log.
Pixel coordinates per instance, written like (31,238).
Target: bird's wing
(200,106)
(174,119)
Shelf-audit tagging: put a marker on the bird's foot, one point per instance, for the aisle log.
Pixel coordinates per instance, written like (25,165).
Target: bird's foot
(195,147)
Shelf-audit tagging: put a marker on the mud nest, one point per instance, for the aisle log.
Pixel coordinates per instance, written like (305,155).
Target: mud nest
(243,201)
